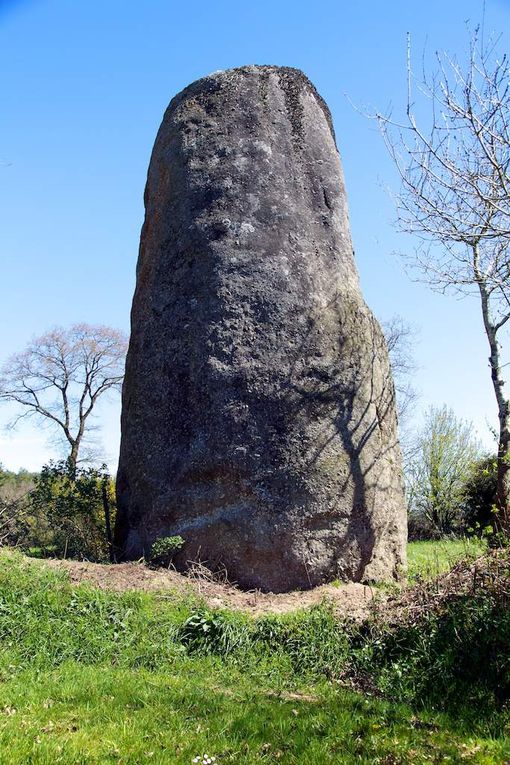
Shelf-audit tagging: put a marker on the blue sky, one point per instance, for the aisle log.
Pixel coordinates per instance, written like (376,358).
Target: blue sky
(83,89)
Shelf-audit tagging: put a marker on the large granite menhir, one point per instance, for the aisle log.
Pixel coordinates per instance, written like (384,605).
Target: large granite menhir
(258,416)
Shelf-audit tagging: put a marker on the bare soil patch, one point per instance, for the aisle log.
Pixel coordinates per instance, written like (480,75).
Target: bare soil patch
(350,600)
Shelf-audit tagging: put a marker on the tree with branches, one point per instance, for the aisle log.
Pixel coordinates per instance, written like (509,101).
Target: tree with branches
(60,377)
(401,338)
(452,153)
(446,450)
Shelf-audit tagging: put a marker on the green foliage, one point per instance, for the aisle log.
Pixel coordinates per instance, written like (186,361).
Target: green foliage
(480,495)
(45,621)
(457,660)
(311,641)
(15,491)
(164,549)
(307,643)
(22,480)
(444,455)
(68,513)
(215,632)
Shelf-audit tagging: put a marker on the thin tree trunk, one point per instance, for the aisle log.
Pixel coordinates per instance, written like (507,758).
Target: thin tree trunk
(75,443)
(503,478)
(503,467)
(72,459)
(108,520)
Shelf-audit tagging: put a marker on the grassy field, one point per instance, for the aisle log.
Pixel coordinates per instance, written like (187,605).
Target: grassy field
(427,560)
(81,714)
(94,677)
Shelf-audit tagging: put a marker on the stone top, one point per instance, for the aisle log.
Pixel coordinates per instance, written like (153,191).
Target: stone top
(291,80)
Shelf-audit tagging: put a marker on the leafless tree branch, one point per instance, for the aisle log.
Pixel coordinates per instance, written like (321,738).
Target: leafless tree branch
(452,154)
(61,375)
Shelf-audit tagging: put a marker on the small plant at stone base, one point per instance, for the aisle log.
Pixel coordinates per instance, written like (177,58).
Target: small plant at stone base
(164,549)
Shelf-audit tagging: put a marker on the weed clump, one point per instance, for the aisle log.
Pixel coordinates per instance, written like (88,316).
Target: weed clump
(445,643)
(164,549)
(215,632)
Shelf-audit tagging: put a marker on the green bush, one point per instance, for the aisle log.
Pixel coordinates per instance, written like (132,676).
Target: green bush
(164,549)
(15,490)
(314,641)
(68,512)
(455,654)
(458,660)
(480,495)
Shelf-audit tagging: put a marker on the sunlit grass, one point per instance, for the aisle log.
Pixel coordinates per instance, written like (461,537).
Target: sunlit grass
(89,677)
(429,559)
(79,714)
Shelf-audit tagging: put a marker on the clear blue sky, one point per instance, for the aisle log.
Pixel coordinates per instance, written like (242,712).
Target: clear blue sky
(83,89)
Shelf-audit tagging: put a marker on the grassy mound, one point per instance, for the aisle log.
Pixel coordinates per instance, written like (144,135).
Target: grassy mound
(446,642)
(90,676)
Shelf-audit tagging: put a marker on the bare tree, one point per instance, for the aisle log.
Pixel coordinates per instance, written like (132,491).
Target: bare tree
(400,339)
(60,377)
(15,491)
(452,151)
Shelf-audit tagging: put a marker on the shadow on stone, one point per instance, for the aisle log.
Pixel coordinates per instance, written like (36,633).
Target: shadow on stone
(258,413)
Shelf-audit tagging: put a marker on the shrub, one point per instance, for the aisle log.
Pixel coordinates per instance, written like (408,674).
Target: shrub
(313,640)
(420,528)
(15,490)
(480,494)
(452,650)
(68,512)
(164,549)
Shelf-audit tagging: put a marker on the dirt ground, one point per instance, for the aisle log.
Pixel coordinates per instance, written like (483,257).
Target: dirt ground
(350,600)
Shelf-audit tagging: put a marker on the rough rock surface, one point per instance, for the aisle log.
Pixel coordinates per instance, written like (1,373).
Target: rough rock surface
(258,415)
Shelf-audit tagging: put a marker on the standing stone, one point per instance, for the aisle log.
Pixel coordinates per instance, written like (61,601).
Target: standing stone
(258,416)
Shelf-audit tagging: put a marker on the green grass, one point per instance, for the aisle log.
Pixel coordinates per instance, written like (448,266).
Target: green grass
(427,560)
(80,714)
(89,677)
